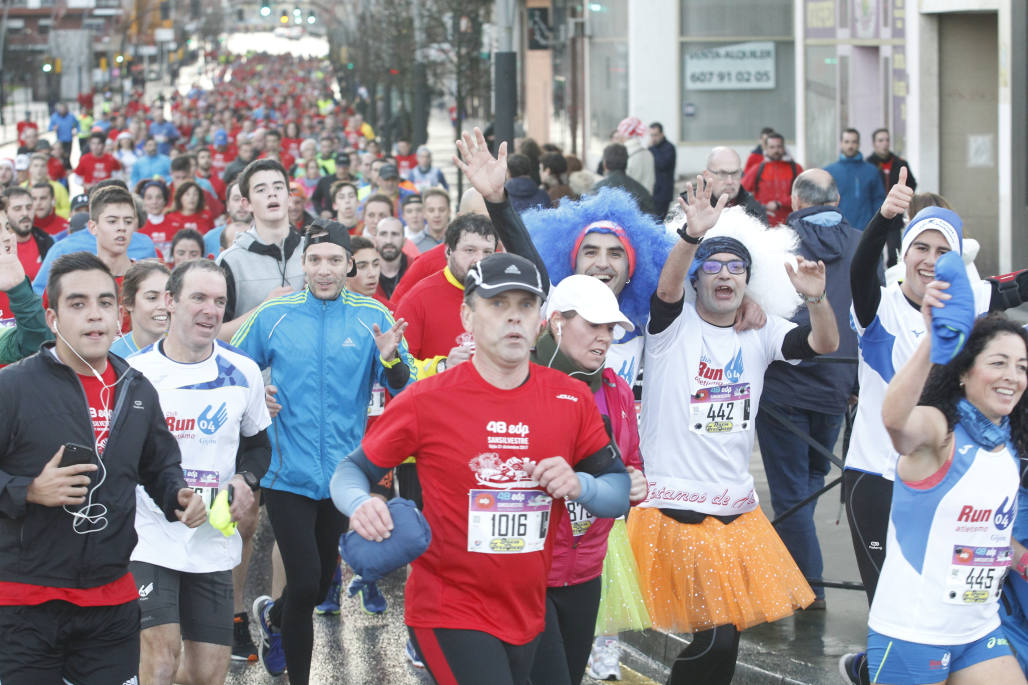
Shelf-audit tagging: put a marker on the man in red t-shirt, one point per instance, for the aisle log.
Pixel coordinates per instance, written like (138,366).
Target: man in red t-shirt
(68,605)
(432,307)
(33,243)
(95,165)
(496,442)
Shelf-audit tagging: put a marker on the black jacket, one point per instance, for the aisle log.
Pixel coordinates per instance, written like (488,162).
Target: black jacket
(619,179)
(894,172)
(524,194)
(43,242)
(43,406)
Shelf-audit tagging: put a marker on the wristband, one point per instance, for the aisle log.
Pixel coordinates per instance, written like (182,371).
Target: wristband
(1022,566)
(815,300)
(683,233)
(391,364)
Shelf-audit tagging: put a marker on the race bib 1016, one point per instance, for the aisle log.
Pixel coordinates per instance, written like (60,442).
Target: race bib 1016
(508,521)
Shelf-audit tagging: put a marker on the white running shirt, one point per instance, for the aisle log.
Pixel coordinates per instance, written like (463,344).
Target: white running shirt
(208,405)
(703,385)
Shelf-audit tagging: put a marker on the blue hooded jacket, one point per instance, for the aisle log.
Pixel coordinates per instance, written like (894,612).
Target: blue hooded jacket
(861,191)
(819,385)
(324,361)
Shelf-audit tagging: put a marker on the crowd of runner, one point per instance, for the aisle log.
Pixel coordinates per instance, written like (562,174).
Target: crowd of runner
(541,398)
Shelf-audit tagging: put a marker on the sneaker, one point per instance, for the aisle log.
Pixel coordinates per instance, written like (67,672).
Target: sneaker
(331,604)
(817,605)
(849,667)
(243,648)
(372,600)
(605,660)
(412,655)
(272,655)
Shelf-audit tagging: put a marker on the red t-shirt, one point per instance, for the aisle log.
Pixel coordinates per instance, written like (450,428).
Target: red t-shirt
(404,163)
(432,312)
(176,221)
(471,441)
(427,264)
(221,159)
(161,234)
(53,223)
(120,591)
(94,169)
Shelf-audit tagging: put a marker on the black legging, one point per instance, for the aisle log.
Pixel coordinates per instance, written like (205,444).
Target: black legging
(868,500)
(710,658)
(471,657)
(307,532)
(568,637)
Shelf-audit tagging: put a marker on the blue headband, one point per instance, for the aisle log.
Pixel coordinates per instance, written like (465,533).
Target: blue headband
(715,245)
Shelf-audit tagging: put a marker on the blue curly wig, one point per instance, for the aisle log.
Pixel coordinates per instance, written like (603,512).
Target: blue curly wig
(555,231)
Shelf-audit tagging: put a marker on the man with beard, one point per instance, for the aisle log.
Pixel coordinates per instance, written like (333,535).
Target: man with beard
(389,243)
(32,243)
(724,172)
(771,180)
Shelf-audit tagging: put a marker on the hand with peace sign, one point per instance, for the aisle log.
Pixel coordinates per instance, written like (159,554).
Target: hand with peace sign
(897,202)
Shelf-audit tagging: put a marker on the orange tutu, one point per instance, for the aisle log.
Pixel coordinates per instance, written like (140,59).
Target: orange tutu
(698,576)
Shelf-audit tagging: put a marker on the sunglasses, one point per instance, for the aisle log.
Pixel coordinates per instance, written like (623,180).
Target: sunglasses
(736,267)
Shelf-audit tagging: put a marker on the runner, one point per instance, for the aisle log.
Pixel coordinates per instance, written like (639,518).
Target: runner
(496,441)
(142,297)
(709,561)
(582,316)
(325,346)
(68,609)
(934,616)
(213,399)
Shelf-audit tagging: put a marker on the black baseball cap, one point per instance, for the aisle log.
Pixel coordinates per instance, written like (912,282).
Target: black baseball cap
(343,158)
(503,271)
(388,171)
(79,201)
(328,231)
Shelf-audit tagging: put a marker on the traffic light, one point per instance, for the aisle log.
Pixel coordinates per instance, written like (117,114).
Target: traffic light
(48,65)
(284,18)
(265,10)
(310,17)
(349,65)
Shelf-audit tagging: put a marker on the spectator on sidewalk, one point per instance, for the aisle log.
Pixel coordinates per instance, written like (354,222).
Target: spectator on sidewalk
(724,173)
(640,166)
(861,190)
(615,163)
(521,189)
(665,158)
(771,180)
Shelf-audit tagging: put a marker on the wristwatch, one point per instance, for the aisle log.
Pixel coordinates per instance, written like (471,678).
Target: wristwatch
(250,480)
(683,233)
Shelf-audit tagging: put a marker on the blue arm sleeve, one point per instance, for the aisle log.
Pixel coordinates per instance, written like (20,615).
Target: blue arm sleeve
(606,494)
(352,481)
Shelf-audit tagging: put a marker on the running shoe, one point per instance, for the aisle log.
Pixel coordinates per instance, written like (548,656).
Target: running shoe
(849,667)
(372,600)
(605,660)
(331,604)
(412,655)
(243,648)
(272,655)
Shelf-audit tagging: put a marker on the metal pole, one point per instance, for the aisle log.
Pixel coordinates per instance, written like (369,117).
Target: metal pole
(505,74)
(3,50)
(421,98)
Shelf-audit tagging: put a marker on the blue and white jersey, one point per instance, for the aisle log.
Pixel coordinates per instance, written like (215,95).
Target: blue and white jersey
(625,356)
(208,405)
(948,549)
(885,346)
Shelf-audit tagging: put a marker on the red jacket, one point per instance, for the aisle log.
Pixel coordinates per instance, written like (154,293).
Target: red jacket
(579,559)
(774,183)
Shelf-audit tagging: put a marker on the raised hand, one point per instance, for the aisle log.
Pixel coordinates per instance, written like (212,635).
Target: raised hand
(486,173)
(700,215)
(808,277)
(12,272)
(389,341)
(897,202)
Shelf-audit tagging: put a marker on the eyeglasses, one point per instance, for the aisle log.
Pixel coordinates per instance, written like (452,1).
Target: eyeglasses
(727,175)
(713,267)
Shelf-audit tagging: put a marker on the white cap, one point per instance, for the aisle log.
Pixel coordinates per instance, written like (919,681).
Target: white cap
(590,298)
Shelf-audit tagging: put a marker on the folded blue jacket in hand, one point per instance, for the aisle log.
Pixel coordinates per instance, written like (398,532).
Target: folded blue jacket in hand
(410,538)
(952,324)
